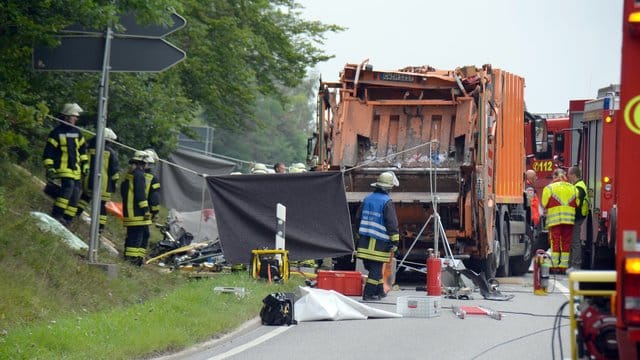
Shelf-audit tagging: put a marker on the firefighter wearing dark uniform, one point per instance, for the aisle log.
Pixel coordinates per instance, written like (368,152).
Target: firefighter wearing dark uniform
(65,158)
(110,174)
(575,177)
(152,182)
(560,201)
(379,236)
(135,209)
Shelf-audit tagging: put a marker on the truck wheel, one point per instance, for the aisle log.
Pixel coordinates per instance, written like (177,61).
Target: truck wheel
(503,238)
(490,264)
(520,264)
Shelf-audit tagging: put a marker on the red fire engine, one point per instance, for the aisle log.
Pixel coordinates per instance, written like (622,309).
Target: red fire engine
(627,221)
(550,152)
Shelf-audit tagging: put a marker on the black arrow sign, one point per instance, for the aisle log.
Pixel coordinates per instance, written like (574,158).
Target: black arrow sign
(133,28)
(83,53)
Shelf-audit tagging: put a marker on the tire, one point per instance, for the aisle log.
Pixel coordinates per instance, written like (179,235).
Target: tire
(519,265)
(490,264)
(503,238)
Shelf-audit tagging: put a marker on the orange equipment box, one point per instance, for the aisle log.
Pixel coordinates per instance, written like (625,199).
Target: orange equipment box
(345,282)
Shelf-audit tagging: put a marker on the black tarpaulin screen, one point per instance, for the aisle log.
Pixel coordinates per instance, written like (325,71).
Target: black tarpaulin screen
(317,225)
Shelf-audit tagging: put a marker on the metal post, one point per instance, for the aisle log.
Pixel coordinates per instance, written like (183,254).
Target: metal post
(97,166)
(281,219)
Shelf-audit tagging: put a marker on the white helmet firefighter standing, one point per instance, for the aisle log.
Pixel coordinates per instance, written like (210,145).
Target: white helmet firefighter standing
(138,208)
(110,174)
(64,158)
(378,233)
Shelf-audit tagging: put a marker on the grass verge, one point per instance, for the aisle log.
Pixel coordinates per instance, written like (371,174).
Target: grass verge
(54,305)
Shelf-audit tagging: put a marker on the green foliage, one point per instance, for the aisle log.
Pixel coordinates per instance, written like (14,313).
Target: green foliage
(282,134)
(237,52)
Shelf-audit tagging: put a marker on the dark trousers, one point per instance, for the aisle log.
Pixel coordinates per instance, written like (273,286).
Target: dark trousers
(65,206)
(374,285)
(135,245)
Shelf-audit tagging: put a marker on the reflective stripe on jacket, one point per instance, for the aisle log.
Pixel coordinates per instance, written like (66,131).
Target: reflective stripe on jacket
(372,221)
(560,200)
(135,205)
(64,151)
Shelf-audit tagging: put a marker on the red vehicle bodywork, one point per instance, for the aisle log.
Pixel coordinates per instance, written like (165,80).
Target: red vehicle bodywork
(558,153)
(627,219)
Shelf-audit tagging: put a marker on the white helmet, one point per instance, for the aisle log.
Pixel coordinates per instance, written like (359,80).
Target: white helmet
(152,156)
(259,168)
(71,109)
(110,134)
(140,155)
(297,168)
(386,180)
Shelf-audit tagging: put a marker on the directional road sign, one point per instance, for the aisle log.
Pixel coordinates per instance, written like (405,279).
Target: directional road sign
(85,53)
(133,28)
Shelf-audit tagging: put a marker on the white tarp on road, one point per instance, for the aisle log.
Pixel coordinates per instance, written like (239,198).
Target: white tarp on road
(320,304)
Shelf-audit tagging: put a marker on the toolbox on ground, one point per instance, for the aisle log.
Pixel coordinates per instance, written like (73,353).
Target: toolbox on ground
(419,306)
(345,282)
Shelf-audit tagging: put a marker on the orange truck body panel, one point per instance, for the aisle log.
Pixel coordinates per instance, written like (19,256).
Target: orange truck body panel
(466,126)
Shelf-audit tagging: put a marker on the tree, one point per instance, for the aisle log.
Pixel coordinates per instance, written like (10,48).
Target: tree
(281,135)
(236,50)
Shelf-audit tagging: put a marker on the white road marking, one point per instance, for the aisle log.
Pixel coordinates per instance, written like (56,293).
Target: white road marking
(563,289)
(252,343)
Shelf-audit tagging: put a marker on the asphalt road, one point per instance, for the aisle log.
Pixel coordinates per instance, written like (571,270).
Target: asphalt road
(525,331)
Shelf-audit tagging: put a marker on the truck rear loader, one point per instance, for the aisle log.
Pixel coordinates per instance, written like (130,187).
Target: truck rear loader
(454,139)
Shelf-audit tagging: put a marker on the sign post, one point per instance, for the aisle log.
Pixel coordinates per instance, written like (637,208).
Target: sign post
(139,48)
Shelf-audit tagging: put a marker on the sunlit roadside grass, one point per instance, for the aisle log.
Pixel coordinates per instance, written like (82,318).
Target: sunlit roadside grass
(190,314)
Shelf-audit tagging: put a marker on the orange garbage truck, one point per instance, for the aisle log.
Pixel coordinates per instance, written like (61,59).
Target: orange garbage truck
(454,139)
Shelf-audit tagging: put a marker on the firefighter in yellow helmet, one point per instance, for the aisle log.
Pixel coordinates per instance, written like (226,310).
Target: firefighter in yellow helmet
(65,157)
(136,210)
(377,225)
(110,174)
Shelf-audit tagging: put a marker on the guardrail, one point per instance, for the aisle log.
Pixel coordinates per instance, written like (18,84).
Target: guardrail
(575,278)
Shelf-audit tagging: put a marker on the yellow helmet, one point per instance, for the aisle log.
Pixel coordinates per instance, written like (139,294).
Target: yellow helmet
(386,180)
(71,109)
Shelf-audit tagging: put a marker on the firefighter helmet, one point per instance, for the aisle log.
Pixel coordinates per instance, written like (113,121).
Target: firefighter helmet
(297,168)
(152,156)
(110,134)
(71,109)
(259,168)
(386,180)
(140,155)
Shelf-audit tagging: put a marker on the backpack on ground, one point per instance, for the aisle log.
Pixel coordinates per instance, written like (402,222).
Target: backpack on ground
(278,309)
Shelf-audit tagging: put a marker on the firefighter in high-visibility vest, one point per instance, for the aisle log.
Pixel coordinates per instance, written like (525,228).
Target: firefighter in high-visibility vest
(532,195)
(559,199)
(575,177)
(379,236)
(65,159)
(153,182)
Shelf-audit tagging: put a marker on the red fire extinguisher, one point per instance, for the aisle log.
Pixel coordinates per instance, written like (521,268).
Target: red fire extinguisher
(541,271)
(434,269)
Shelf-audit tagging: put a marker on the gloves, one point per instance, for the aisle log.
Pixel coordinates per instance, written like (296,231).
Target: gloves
(147,216)
(85,169)
(394,249)
(51,173)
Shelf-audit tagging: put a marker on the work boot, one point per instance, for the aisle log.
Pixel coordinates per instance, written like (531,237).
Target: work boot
(371,297)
